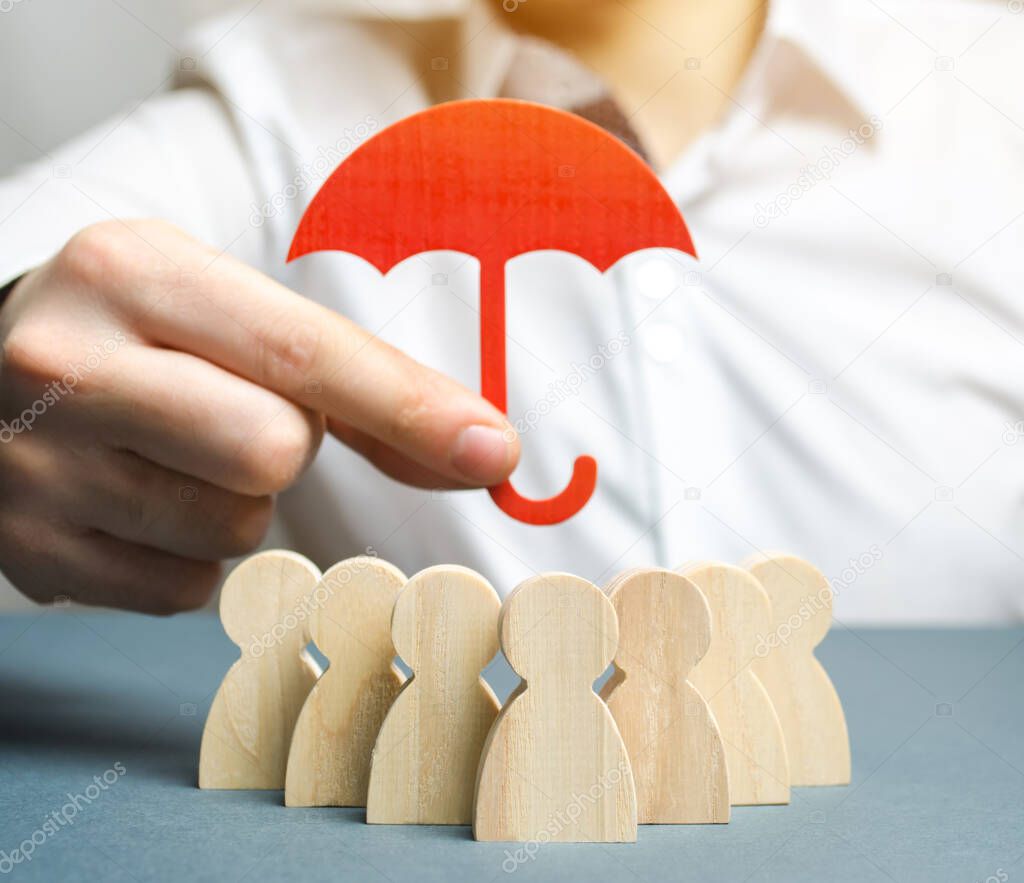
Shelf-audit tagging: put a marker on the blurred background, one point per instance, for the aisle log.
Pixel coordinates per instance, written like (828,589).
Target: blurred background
(67,64)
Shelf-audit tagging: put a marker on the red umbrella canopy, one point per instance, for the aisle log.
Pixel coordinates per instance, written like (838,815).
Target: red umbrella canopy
(495,178)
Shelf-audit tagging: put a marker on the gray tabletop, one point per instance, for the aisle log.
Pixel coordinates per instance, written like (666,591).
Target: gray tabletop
(102,715)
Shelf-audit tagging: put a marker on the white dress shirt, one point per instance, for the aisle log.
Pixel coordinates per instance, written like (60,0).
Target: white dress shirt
(840,374)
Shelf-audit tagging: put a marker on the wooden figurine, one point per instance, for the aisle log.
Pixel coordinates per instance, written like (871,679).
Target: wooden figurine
(329,761)
(807,704)
(554,766)
(675,748)
(755,748)
(263,607)
(426,755)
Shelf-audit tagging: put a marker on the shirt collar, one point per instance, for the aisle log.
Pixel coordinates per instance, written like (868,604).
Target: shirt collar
(487,47)
(812,37)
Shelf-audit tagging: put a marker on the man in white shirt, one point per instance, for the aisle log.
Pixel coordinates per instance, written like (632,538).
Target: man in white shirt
(837,375)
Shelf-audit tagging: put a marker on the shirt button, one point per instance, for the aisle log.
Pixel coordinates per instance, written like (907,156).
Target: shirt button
(657,278)
(662,342)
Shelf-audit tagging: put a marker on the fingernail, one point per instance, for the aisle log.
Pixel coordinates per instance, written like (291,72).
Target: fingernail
(482,454)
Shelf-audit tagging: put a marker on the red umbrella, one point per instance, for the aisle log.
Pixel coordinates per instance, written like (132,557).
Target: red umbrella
(495,179)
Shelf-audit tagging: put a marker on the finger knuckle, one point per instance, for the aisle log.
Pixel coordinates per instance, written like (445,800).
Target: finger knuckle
(288,351)
(29,353)
(154,229)
(28,471)
(245,529)
(134,515)
(134,487)
(281,452)
(192,589)
(411,420)
(96,255)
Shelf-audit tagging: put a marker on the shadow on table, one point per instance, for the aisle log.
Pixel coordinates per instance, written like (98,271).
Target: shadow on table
(54,722)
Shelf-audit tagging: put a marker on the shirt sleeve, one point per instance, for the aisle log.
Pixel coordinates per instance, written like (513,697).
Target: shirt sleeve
(176,156)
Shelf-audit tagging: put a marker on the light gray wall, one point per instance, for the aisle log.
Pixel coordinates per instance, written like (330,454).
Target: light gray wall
(68,64)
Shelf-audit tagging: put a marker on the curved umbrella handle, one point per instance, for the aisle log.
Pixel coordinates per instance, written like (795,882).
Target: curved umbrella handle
(554,509)
(494,387)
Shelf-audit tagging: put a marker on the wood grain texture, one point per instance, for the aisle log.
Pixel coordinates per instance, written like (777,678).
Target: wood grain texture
(755,747)
(674,745)
(329,760)
(807,704)
(555,766)
(426,755)
(264,610)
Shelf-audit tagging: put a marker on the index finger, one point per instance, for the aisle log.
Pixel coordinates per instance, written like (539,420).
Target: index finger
(232,315)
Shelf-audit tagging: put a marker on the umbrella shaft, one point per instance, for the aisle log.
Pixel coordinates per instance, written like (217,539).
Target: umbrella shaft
(493,382)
